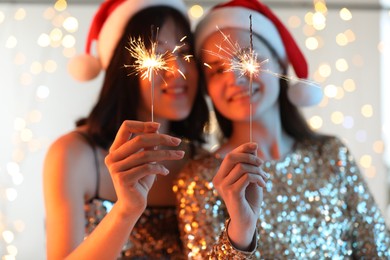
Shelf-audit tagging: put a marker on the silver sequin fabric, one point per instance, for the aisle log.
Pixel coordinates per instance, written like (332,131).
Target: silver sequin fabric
(317,205)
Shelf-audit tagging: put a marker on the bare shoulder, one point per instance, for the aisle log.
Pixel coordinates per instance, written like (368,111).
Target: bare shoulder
(69,164)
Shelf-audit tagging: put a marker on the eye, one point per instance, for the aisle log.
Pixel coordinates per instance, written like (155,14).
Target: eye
(216,70)
(220,70)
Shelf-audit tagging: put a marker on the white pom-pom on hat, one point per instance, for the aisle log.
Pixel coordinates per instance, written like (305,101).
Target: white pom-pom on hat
(84,67)
(235,14)
(304,94)
(107,28)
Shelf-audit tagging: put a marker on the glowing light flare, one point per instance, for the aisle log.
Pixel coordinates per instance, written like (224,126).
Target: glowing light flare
(349,85)
(149,62)
(378,147)
(294,21)
(365,161)
(8,236)
(44,40)
(20,14)
(71,24)
(238,59)
(60,5)
(367,110)
(11,42)
(2,17)
(315,122)
(345,14)
(342,65)
(196,11)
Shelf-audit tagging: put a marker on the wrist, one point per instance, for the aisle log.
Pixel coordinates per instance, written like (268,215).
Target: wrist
(242,239)
(126,213)
(240,233)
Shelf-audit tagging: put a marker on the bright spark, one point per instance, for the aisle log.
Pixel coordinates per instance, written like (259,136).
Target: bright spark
(149,62)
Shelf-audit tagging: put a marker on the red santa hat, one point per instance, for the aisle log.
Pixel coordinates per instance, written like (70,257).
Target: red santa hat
(106,29)
(235,14)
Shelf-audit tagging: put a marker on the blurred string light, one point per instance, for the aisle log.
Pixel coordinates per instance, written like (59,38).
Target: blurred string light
(313,25)
(25,141)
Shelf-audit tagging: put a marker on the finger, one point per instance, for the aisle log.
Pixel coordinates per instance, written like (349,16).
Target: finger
(249,147)
(232,159)
(129,127)
(241,170)
(142,142)
(240,186)
(136,173)
(143,157)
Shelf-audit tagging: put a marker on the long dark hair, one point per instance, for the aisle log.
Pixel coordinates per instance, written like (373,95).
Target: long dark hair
(120,94)
(293,122)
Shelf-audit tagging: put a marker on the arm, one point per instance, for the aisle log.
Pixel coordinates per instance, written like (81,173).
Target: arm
(133,165)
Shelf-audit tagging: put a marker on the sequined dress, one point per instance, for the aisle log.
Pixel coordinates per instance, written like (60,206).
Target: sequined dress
(155,235)
(316,206)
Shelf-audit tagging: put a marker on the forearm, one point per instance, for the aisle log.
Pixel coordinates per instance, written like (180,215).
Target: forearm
(107,240)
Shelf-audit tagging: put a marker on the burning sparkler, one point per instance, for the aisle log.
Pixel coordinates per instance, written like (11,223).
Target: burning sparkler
(149,62)
(242,60)
(246,63)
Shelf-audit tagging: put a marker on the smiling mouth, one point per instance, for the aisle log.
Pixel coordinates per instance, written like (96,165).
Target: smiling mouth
(174,90)
(243,94)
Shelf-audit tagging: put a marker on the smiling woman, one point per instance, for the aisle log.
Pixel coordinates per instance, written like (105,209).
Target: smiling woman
(300,190)
(112,158)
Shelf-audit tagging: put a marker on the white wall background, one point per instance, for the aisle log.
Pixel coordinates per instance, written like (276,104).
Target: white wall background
(39,101)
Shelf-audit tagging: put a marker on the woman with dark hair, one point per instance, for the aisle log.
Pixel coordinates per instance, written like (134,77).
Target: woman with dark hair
(316,204)
(102,197)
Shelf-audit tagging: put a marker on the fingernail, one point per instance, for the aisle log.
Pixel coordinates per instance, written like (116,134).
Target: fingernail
(165,171)
(155,125)
(253,145)
(175,140)
(258,160)
(180,153)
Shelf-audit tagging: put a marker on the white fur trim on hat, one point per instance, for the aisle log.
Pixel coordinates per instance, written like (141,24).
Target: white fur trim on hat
(304,94)
(115,24)
(238,17)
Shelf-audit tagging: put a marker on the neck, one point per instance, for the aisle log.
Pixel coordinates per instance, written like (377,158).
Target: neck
(267,132)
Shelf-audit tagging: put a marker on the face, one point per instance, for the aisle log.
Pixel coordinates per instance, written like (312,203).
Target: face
(229,90)
(174,90)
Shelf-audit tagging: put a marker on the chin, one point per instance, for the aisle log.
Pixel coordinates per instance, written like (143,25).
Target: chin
(177,116)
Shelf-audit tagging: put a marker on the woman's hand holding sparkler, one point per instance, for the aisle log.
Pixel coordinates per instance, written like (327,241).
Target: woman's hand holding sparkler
(239,181)
(133,162)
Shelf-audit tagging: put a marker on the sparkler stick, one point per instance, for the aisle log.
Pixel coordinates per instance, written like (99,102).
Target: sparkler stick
(250,79)
(154,48)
